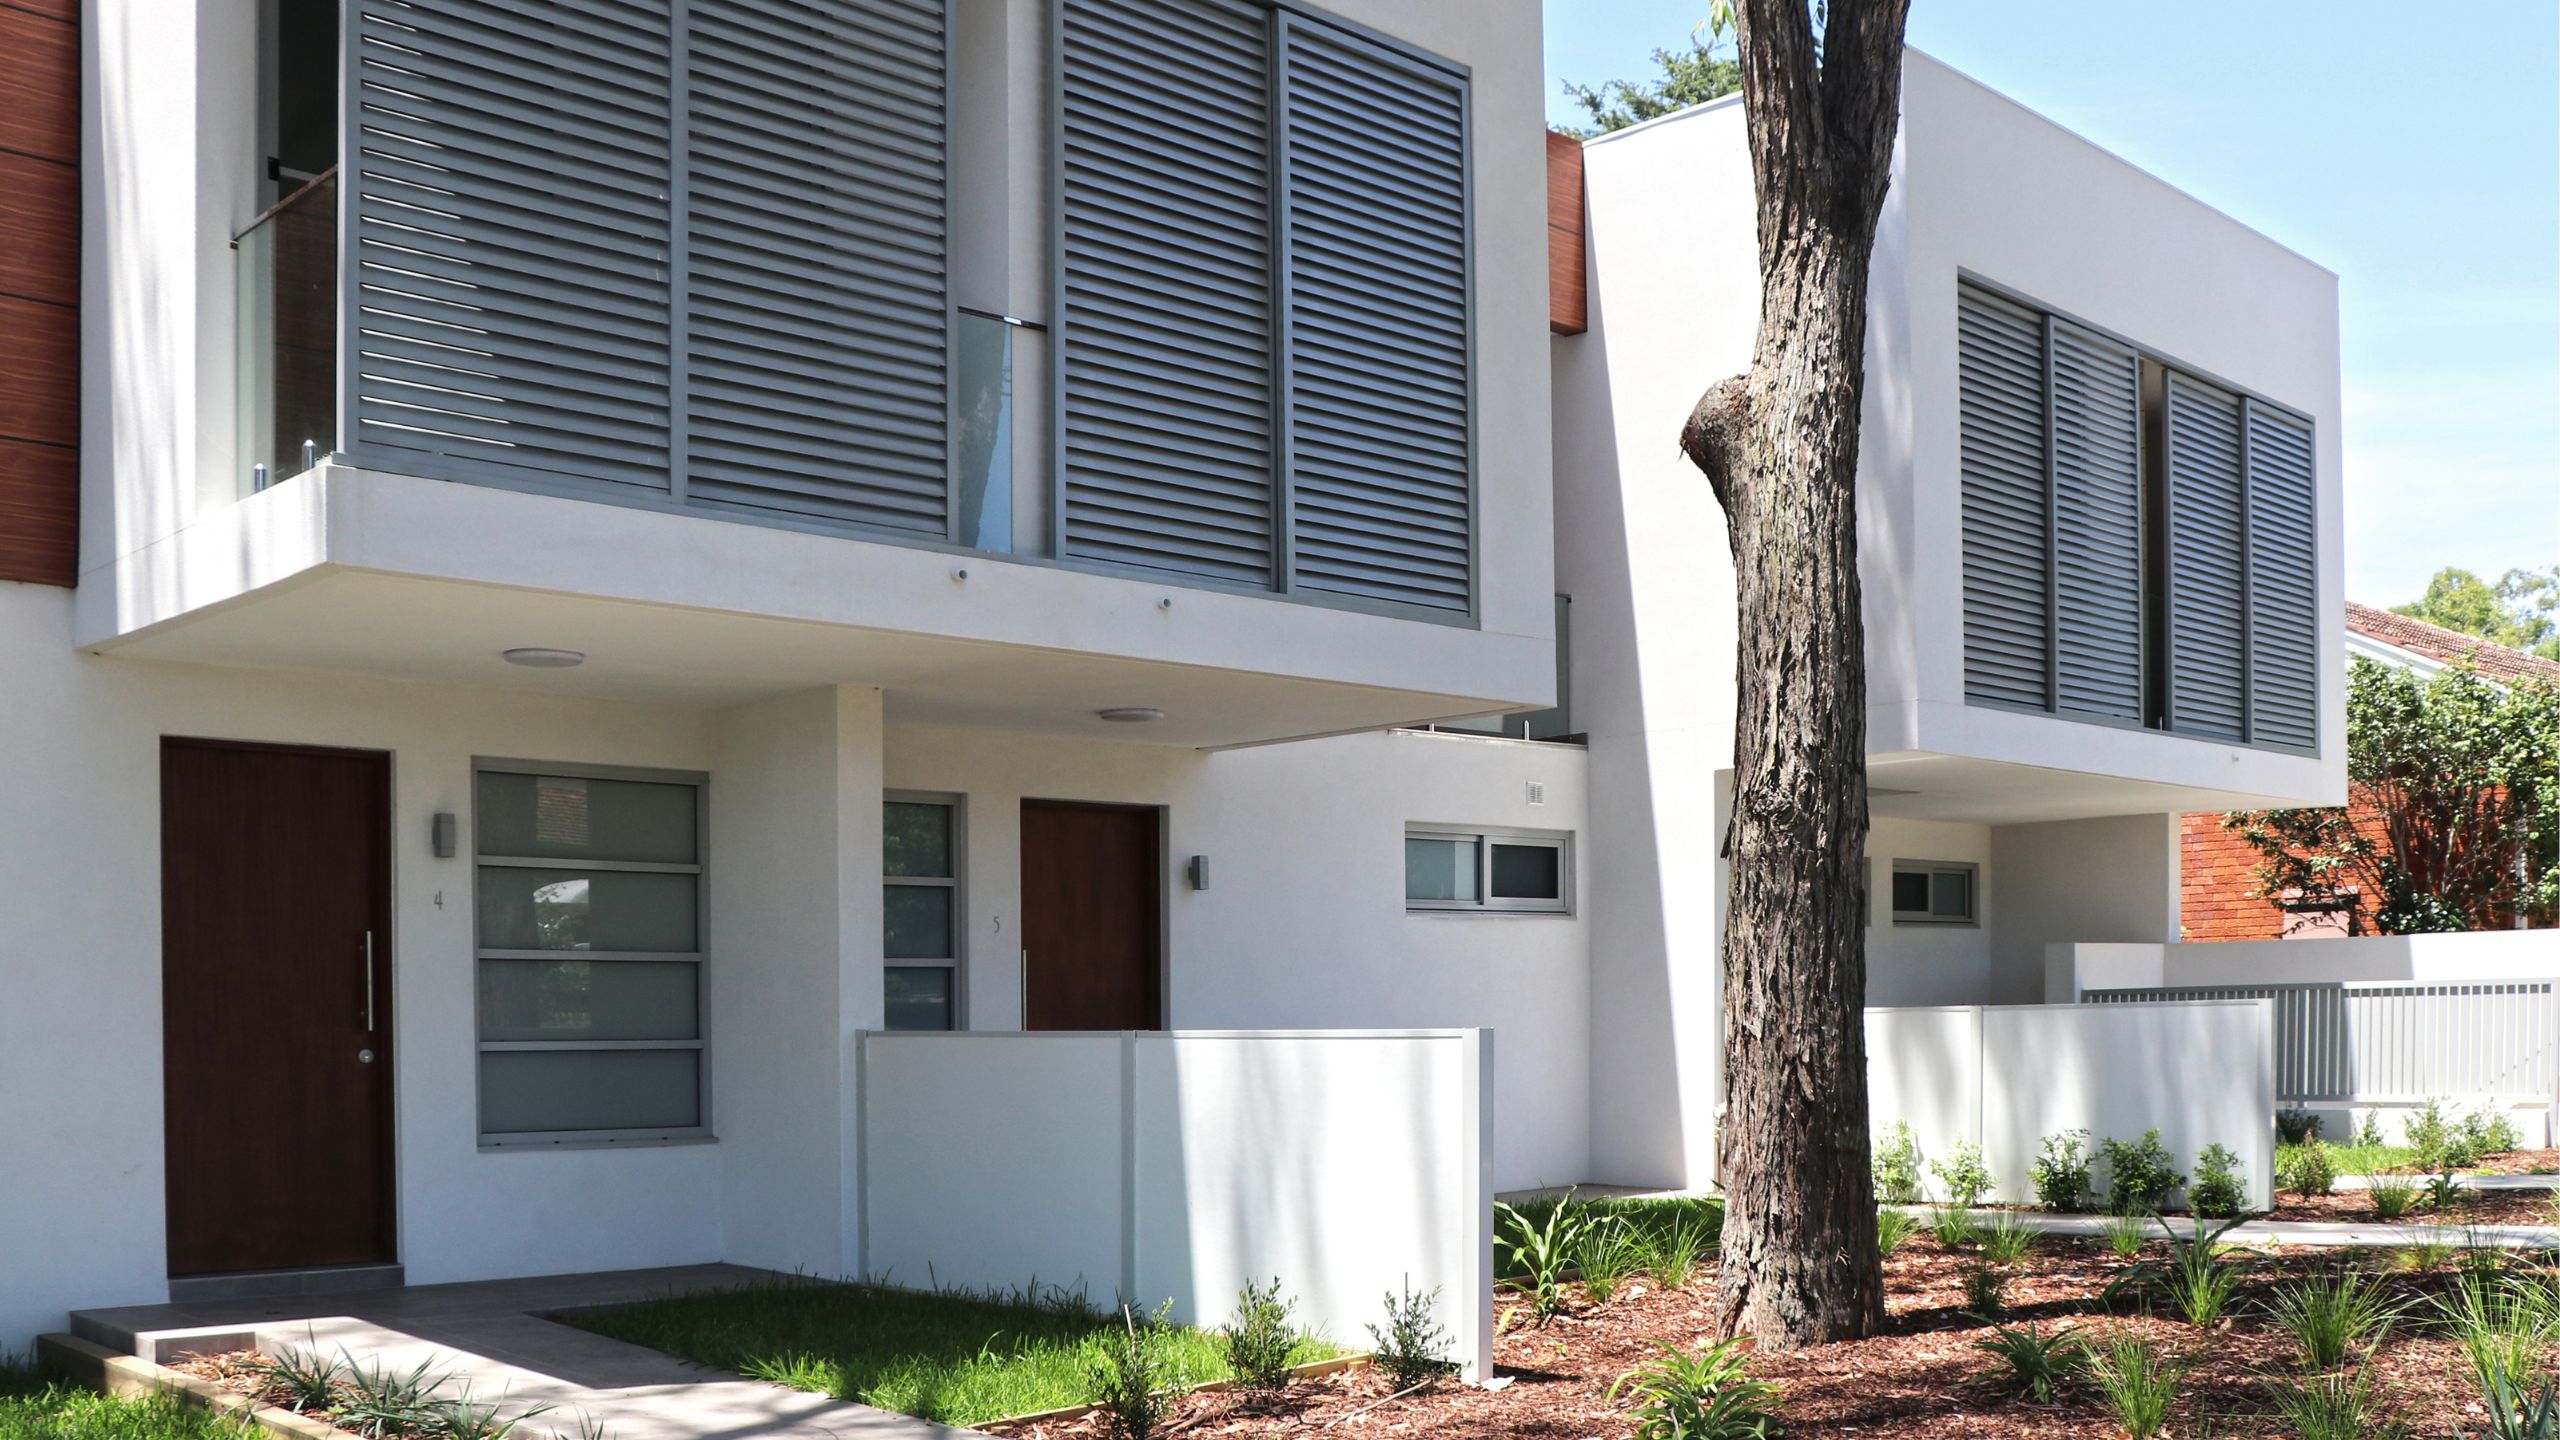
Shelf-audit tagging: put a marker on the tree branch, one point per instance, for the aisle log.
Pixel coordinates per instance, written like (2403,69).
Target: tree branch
(1712,438)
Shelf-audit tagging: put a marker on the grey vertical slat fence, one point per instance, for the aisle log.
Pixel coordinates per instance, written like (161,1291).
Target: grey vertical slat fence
(1164,307)
(2097,500)
(2284,568)
(2466,1041)
(1374,228)
(2000,371)
(2208,556)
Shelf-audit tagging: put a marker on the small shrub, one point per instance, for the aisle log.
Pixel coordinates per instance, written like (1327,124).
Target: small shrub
(1542,1252)
(1413,1346)
(2308,1169)
(2432,1133)
(2008,1239)
(1962,1176)
(2217,1192)
(2328,1318)
(2488,1131)
(2297,1126)
(1986,1286)
(2139,1381)
(1258,1338)
(2334,1407)
(1894,1229)
(300,1380)
(1955,1229)
(2518,1411)
(2369,1131)
(1133,1383)
(2507,1326)
(2061,1171)
(2199,1276)
(2038,1366)
(380,1401)
(2139,1175)
(2126,1234)
(1897,1166)
(1672,1253)
(2441,1192)
(2393,1196)
(1606,1253)
(1711,1395)
(459,1419)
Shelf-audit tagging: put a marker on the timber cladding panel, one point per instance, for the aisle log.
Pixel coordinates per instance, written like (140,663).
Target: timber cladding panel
(1568,299)
(39,291)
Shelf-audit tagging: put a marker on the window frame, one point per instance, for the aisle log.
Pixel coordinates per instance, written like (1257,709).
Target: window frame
(1971,870)
(956,882)
(1487,902)
(699,957)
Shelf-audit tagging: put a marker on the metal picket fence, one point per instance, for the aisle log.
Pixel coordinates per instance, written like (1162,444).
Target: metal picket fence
(2382,1042)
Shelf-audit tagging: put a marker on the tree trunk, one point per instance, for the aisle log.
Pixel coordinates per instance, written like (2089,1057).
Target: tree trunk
(1780,446)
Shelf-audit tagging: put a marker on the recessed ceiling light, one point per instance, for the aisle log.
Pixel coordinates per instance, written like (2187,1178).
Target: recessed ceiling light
(1131,714)
(543,657)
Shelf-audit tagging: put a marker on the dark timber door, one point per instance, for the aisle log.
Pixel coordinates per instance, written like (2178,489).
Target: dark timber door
(1092,902)
(275,878)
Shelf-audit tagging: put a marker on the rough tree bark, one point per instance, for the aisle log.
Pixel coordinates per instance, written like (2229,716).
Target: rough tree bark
(1779,444)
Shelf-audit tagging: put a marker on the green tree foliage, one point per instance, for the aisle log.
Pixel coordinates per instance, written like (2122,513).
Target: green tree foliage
(2464,780)
(2521,611)
(1703,71)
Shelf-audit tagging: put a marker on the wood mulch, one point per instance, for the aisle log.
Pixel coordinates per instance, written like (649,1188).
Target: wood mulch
(2521,1162)
(1921,1380)
(2471,1207)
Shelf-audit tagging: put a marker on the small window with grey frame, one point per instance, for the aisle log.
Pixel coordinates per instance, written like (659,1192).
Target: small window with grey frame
(921,911)
(1487,871)
(1937,892)
(590,943)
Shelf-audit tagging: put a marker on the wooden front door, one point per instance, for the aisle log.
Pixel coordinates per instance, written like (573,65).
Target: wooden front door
(1092,918)
(275,981)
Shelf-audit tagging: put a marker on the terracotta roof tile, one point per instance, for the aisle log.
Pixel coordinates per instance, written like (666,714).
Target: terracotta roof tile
(2435,642)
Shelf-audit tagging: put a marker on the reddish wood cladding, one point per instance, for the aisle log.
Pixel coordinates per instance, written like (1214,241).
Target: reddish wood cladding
(39,290)
(1568,305)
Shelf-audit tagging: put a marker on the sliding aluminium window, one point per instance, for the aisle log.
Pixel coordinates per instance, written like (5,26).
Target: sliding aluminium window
(589,921)
(1487,870)
(1937,892)
(921,913)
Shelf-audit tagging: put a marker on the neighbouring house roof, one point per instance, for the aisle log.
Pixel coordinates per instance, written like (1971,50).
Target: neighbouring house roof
(2446,647)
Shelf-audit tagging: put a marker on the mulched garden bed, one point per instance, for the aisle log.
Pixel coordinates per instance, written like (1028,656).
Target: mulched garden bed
(2474,1207)
(1921,1380)
(2521,1162)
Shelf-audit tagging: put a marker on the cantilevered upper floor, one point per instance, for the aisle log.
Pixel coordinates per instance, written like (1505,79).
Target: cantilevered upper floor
(2098,505)
(1026,356)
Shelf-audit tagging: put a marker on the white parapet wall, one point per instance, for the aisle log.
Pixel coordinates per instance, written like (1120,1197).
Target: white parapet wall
(1178,1165)
(2005,1076)
(2428,959)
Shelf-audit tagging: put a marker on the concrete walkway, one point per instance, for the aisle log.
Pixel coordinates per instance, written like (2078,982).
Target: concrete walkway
(2284,1232)
(494,1341)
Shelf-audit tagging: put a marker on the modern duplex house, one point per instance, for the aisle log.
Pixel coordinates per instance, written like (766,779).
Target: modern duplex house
(621,543)
(2099,541)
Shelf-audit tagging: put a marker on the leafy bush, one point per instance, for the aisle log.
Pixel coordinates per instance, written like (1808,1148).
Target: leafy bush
(1711,1395)
(1894,1229)
(2039,1366)
(2061,1171)
(1962,1175)
(1259,1339)
(2334,1407)
(1986,1285)
(2217,1192)
(2140,1382)
(2330,1317)
(2392,1195)
(2487,1131)
(1134,1388)
(1897,1166)
(2139,1175)
(2432,1133)
(2297,1126)
(2369,1131)
(1413,1346)
(2308,1169)
(1542,1252)
(2199,1276)
(2008,1239)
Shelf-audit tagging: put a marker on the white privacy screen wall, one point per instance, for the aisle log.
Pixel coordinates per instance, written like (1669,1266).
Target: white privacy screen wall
(1178,1165)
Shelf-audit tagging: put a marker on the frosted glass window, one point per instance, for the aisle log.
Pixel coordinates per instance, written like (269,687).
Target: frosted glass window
(549,1091)
(570,817)
(919,997)
(919,922)
(589,1000)
(1436,869)
(528,909)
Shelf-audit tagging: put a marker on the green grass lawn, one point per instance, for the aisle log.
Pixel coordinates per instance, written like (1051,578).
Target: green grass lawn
(2360,1159)
(961,1359)
(33,1408)
(1652,1224)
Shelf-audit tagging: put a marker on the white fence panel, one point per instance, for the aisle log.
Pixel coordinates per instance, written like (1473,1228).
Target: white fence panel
(2490,1041)
(2004,1077)
(1178,1165)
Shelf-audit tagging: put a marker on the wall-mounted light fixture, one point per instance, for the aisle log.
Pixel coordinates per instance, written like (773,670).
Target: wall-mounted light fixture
(1199,872)
(440,834)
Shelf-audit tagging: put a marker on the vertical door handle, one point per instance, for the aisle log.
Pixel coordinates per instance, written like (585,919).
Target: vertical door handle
(368,982)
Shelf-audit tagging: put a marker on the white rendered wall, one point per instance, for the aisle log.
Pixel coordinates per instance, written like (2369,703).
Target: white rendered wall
(2069,881)
(1930,964)
(1303,925)
(2461,955)
(2004,1077)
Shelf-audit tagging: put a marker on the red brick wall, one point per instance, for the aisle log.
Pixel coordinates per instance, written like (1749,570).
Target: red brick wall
(2218,880)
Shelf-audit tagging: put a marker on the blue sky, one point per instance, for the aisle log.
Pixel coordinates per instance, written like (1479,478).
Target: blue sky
(2424,169)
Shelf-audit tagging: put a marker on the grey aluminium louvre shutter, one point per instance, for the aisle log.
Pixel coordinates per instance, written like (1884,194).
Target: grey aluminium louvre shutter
(814,345)
(2284,563)
(2208,556)
(1375,300)
(2097,525)
(2000,370)
(1163,310)
(512,235)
